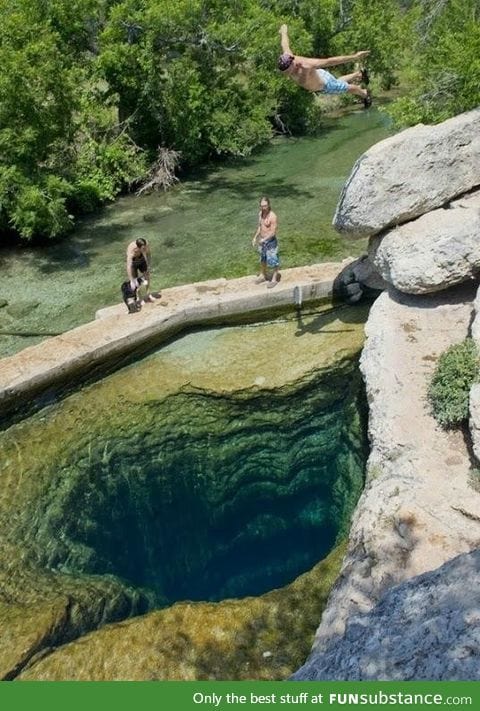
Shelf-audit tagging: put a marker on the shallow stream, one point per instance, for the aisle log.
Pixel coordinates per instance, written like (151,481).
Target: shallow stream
(202,229)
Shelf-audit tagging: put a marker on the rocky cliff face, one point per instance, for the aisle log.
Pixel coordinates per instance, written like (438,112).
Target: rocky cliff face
(434,251)
(475,390)
(416,195)
(426,628)
(418,510)
(409,174)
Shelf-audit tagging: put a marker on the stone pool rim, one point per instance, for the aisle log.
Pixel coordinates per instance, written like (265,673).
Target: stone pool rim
(78,354)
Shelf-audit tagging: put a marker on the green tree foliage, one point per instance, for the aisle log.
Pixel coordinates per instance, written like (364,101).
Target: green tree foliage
(91,89)
(444,62)
(448,393)
(35,114)
(59,139)
(198,75)
(374,25)
(324,20)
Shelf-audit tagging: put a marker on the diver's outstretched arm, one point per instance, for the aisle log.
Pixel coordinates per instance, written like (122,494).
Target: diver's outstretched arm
(284,40)
(319,63)
(333,61)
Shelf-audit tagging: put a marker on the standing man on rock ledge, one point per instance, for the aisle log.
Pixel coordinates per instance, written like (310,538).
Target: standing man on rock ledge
(310,74)
(265,239)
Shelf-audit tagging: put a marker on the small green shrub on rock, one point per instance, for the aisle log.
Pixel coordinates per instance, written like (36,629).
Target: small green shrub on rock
(456,371)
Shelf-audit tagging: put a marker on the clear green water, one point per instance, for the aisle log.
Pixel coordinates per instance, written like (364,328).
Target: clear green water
(223,465)
(202,229)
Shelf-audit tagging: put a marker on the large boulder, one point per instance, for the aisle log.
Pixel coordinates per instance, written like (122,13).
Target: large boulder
(425,629)
(433,252)
(409,174)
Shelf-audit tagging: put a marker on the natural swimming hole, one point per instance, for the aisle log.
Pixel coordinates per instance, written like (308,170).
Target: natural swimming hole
(222,465)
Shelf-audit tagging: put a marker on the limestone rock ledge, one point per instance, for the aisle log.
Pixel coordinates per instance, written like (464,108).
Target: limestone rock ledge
(409,174)
(427,628)
(474,422)
(418,509)
(434,252)
(115,334)
(474,404)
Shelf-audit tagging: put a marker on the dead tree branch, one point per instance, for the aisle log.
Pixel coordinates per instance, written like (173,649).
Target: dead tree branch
(162,173)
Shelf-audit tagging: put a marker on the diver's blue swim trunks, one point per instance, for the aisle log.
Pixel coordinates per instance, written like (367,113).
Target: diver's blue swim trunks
(332,85)
(269,253)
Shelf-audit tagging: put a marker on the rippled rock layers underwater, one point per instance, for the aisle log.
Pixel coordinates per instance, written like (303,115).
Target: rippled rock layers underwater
(223,466)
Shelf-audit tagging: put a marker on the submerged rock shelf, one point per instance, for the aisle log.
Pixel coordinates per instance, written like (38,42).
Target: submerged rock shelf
(204,497)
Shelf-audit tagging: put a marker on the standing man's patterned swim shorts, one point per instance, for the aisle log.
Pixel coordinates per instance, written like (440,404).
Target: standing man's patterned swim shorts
(332,85)
(269,253)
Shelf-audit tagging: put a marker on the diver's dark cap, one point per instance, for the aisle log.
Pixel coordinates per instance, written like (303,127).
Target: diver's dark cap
(284,61)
